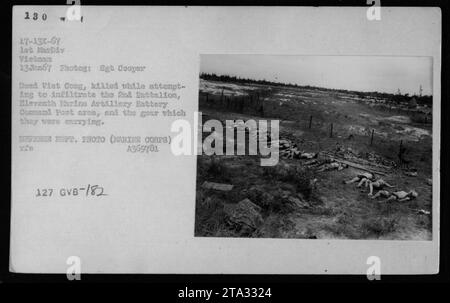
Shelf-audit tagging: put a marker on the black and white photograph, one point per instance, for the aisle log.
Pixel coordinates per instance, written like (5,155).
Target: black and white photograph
(355,148)
(280,141)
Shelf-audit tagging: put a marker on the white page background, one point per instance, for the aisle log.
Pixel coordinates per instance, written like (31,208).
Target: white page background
(146,223)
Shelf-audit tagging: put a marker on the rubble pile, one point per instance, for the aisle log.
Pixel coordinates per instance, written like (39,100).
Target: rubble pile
(373,157)
(370,158)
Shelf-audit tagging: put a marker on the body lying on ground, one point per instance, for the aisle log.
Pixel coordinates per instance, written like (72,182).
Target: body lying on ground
(331,166)
(296,154)
(400,196)
(378,184)
(307,155)
(362,178)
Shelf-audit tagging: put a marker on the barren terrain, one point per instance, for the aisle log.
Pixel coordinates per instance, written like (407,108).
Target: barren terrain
(294,199)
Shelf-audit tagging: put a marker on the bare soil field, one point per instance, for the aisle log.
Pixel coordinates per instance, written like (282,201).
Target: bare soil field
(295,199)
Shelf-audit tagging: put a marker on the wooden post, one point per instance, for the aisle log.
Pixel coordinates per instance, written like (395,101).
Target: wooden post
(371,138)
(257,101)
(331,130)
(207,97)
(310,121)
(400,153)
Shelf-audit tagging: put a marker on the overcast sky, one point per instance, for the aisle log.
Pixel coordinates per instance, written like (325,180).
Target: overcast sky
(361,73)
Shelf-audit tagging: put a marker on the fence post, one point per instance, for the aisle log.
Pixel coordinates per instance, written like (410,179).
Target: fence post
(371,138)
(331,130)
(310,121)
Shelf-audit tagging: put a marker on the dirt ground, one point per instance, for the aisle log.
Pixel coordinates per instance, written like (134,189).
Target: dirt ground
(331,209)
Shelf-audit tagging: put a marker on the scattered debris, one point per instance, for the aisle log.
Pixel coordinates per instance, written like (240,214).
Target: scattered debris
(361,167)
(217,186)
(340,156)
(312,162)
(371,159)
(297,202)
(430,181)
(423,212)
(380,161)
(410,173)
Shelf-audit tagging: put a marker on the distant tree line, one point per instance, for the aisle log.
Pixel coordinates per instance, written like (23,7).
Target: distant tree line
(394,98)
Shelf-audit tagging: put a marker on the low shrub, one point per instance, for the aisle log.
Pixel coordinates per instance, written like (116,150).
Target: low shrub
(379,226)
